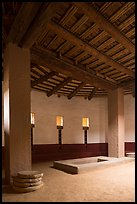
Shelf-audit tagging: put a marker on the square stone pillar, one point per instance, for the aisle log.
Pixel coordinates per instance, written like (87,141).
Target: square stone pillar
(17,127)
(116,123)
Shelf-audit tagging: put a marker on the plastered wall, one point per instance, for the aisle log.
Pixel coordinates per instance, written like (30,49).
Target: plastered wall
(47,108)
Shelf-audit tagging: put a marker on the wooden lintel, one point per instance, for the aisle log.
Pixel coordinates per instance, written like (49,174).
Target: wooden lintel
(62,84)
(88,48)
(99,19)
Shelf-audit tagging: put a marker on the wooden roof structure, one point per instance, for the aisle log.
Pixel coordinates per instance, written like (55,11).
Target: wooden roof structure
(77,48)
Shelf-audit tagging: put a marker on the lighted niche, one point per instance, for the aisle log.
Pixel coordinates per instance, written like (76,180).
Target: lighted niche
(32,127)
(59,122)
(85,123)
(32,119)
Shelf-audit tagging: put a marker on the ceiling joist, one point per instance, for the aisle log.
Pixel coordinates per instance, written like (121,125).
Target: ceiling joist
(92,93)
(99,19)
(61,85)
(91,42)
(46,58)
(68,15)
(43,78)
(76,90)
(76,41)
(38,26)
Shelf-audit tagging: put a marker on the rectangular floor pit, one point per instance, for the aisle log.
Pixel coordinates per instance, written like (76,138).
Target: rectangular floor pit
(75,166)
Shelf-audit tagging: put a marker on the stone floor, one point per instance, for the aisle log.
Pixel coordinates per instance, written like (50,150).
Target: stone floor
(110,184)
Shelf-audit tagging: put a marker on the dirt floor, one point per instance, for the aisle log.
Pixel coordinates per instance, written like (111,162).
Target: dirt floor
(109,184)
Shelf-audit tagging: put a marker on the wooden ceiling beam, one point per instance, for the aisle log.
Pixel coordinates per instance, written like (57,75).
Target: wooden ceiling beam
(79,23)
(92,93)
(127,83)
(99,19)
(22,21)
(43,78)
(122,11)
(46,58)
(87,32)
(38,25)
(62,84)
(70,12)
(68,15)
(127,22)
(76,90)
(75,27)
(78,42)
(105,6)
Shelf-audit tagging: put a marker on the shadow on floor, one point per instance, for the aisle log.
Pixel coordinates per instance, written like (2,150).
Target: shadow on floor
(8,189)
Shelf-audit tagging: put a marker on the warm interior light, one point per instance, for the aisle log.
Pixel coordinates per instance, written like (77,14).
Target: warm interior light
(32,118)
(59,121)
(85,122)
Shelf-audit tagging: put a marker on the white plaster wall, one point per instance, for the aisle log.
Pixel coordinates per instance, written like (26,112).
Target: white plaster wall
(73,110)
(129,111)
(47,108)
